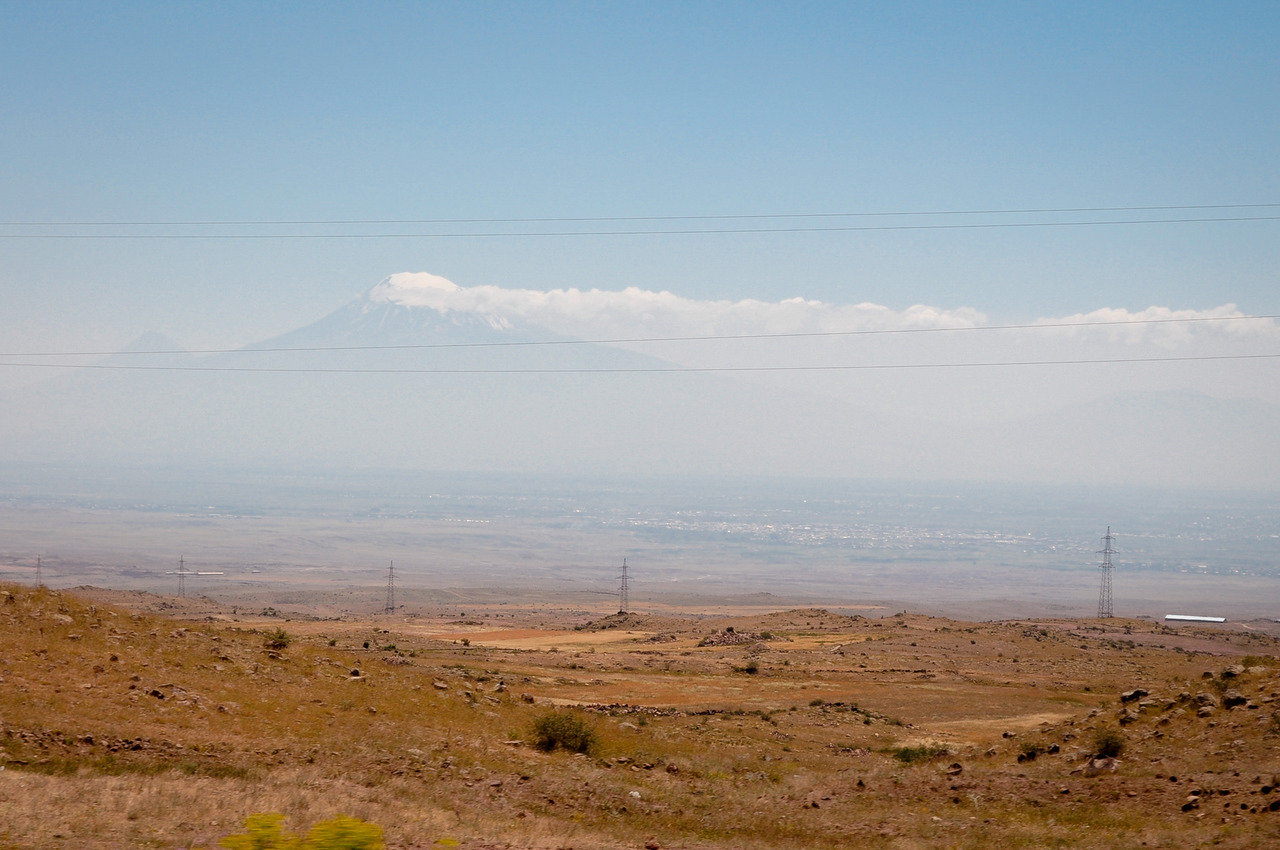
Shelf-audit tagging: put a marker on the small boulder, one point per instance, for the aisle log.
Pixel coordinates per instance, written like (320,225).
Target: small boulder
(1098,767)
(1131,696)
(1232,698)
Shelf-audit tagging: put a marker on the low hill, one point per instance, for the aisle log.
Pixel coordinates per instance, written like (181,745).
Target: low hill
(120,728)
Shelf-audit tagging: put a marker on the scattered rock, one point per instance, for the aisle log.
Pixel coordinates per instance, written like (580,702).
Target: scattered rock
(1232,698)
(731,638)
(1097,767)
(1135,694)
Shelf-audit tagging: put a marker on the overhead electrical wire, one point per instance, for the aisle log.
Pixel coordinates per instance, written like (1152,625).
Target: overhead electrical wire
(590,219)
(61,228)
(654,339)
(516,234)
(650,370)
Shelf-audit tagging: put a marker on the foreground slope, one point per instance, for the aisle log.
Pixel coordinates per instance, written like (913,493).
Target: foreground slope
(794,729)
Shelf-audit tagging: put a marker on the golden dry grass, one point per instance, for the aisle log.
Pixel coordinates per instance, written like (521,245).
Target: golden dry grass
(122,728)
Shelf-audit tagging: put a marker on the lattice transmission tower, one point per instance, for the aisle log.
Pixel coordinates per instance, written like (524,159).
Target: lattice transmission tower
(1104,593)
(624,590)
(181,572)
(391,589)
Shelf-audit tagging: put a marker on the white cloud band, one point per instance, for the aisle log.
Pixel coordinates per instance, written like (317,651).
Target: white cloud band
(632,312)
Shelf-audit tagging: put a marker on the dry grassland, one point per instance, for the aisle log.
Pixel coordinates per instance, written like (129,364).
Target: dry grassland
(124,727)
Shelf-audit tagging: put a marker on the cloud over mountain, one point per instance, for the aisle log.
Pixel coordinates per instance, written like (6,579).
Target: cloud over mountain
(633,311)
(630,312)
(424,373)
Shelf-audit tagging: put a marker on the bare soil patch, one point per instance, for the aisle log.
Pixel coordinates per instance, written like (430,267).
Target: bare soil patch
(139,720)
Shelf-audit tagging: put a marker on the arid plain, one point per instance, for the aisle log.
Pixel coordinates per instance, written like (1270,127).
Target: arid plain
(792,672)
(138,719)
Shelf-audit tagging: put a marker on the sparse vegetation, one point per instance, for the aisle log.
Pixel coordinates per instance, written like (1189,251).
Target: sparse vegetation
(267,832)
(562,730)
(127,729)
(1108,743)
(277,638)
(924,752)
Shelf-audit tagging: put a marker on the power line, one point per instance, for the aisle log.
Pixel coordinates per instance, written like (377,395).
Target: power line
(591,219)
(1107,568)
(635,340)
(650,370)
(516,234)
(391,589)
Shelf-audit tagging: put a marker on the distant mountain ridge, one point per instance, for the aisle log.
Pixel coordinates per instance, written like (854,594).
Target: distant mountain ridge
(416,387)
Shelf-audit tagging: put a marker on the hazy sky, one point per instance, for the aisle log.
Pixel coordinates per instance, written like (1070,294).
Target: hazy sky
(198,112)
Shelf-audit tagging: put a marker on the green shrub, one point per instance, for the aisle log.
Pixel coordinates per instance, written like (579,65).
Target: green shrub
(910,755)
(1108,743)
(265,831)
(561,729)
(277,639)
(344,833)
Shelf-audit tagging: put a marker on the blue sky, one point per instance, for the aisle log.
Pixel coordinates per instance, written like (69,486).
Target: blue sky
(224,111)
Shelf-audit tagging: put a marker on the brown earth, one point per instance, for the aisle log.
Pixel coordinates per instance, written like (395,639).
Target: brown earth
(129,719)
